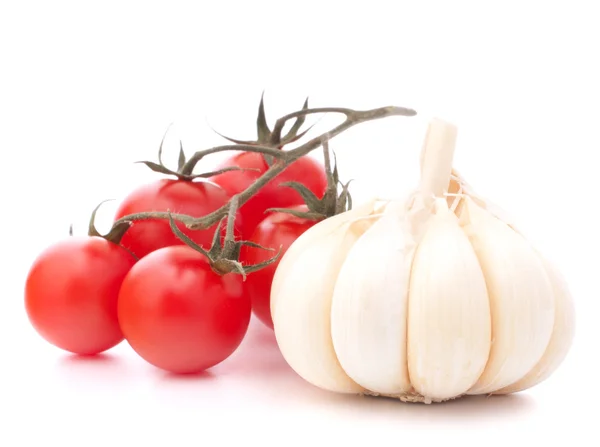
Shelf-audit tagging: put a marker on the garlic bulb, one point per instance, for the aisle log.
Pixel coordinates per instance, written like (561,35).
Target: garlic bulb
(425,300)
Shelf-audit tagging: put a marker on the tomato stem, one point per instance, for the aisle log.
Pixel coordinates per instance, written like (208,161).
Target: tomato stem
(286,158)
(283,160)
(184,169)
(233,209)
(189,165)
(269,144)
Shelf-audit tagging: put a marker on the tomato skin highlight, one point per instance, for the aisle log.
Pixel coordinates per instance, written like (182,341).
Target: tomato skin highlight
(194,199)
(179,315)
(276,230)
(71,294)
(305,170)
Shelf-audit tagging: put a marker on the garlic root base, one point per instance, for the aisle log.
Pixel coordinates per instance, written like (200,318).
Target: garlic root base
(411,397)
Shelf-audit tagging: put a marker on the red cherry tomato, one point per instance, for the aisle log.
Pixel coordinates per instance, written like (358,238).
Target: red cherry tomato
(276,230)
(178,314)
(306,170)
(71,294)
(194,199)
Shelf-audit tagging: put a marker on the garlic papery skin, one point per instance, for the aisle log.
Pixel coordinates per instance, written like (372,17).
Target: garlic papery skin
(561,340)
(521,298)
(302,320)
(368,315)
(449,321)
(459,187)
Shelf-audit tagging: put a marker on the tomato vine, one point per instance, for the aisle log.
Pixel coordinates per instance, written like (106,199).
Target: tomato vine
(224,257)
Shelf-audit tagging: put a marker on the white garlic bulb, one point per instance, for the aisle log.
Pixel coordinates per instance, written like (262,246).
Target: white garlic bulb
(426,300)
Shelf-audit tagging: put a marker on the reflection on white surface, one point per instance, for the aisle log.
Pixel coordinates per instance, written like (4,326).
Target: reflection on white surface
(258,374)
(252,395)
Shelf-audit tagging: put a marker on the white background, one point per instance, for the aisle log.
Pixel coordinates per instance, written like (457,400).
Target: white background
(87,88)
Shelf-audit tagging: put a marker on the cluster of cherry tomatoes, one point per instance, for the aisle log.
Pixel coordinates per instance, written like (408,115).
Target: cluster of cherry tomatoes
(85,295)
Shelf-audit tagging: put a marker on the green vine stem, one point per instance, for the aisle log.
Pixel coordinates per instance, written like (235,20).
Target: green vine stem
(282,160)
(189,166)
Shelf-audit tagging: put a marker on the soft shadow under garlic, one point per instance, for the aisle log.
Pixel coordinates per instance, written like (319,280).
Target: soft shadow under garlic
(471,408)
(465,408)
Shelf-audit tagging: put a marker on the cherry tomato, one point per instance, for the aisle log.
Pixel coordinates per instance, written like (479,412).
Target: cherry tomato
(178,314)
(194,199)
(276,230)
(71,294)
(306,170)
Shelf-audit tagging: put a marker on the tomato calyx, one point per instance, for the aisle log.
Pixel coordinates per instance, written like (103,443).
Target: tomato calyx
(331,203)
(273,138)
(116,232)
(223,256)
(183,172)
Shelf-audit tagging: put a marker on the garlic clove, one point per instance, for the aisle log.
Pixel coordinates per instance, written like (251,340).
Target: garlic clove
(306,239)
(302,293)
(562,335)
(449,323)
(368,314)
(521,298)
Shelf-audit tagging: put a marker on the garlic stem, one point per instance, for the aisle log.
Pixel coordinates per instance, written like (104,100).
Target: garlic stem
(436,159)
